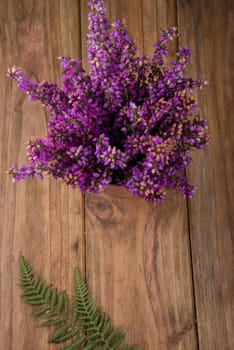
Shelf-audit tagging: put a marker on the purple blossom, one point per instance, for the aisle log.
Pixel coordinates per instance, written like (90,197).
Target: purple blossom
(129,120)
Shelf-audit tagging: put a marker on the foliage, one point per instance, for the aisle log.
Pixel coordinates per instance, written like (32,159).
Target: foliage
(87,327)
(129,120)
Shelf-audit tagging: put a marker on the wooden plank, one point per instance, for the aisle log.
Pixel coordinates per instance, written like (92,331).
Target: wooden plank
(41,218)
(207,26)
(138,260)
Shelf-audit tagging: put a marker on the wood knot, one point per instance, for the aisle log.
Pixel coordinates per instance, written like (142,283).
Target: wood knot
(106,209)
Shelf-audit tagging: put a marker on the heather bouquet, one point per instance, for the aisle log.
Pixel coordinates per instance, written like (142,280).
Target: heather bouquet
(130,120)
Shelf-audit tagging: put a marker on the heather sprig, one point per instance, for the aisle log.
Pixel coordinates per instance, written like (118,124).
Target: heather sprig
(129,120)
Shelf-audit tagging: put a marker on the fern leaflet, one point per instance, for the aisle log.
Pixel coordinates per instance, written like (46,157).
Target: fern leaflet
(87,328)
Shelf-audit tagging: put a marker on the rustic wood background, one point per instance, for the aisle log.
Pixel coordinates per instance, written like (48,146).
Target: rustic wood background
(166,272)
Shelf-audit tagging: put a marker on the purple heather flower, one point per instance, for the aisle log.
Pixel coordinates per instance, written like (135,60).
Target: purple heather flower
(128,120)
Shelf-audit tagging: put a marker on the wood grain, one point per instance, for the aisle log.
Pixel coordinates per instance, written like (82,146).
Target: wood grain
(41,218)
(138,268)
(208,27)
(137,259)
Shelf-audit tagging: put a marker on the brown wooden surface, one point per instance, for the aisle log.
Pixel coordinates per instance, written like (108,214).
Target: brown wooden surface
(138,265)
(41,218)
(141,264)
(208,27)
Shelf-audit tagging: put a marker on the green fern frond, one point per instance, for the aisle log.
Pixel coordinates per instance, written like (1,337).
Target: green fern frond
(37,292)
(59,332)
(41,311)
(88,328)
(76,344)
